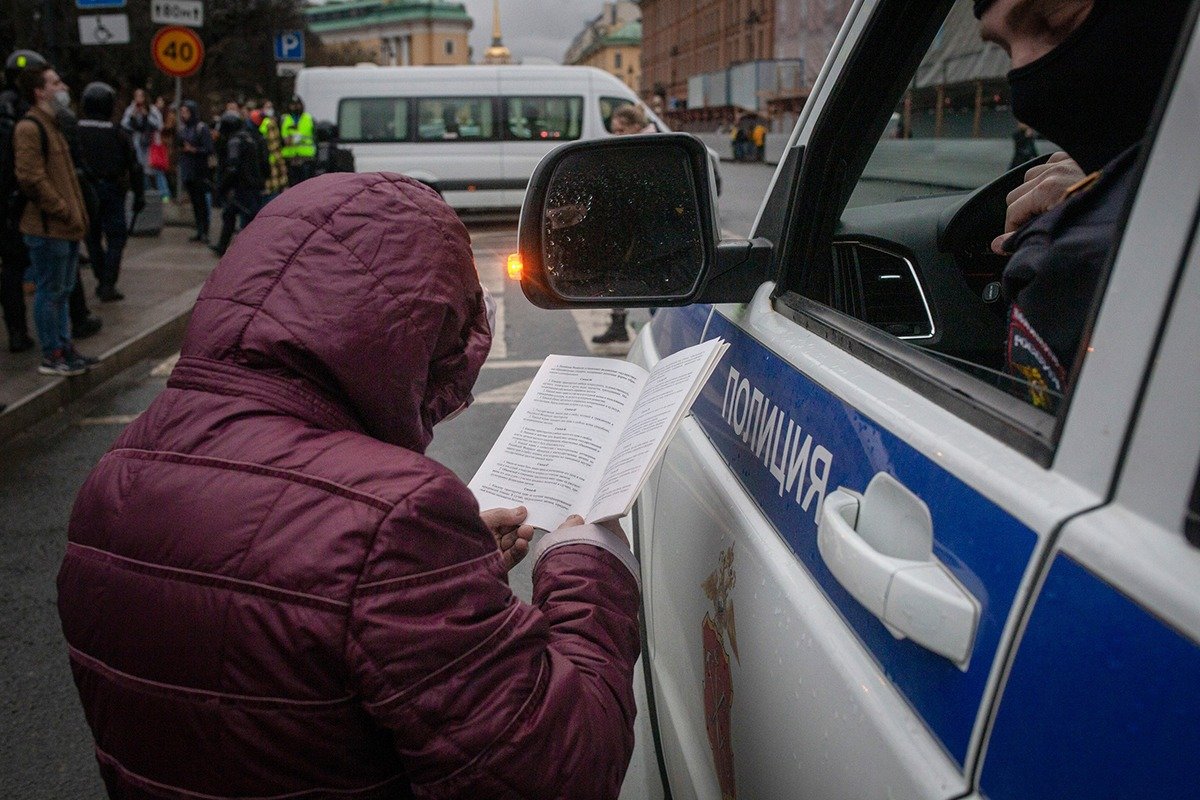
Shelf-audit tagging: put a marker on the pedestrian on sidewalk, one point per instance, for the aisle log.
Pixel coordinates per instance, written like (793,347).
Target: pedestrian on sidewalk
(83,322)
(627,120)
(277,178)
(195,146)
(144,123)
(166,136)
(111,165)
(241,176)
(54,219)
(14,257)
(269,590)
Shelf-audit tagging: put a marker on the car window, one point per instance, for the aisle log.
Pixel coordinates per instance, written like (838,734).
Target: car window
(911,257)
(608,105)
(373,119)
(448,119)
(544,118)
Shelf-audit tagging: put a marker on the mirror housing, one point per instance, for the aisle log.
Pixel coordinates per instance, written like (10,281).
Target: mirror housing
(631,222)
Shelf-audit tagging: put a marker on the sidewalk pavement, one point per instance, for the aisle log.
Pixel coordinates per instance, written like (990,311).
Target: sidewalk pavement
(160,278)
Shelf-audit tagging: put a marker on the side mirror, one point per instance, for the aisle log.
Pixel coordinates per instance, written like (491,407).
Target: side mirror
(629,221)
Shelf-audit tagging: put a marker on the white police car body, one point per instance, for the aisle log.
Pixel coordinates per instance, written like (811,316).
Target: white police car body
(868,573)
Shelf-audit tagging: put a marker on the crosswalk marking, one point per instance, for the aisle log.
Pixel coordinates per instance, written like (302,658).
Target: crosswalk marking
(115,419)
(508,395)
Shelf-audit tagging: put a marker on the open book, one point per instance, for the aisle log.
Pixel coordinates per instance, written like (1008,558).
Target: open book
(588,433)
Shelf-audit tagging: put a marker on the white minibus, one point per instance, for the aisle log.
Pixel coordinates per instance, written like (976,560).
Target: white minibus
(473,132)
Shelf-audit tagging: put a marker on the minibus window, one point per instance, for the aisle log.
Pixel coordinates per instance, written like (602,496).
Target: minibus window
(558,119)
(610,104)
(450,119)
(373,119)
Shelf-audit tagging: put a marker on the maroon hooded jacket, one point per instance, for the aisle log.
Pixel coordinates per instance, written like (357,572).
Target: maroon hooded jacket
(270,592)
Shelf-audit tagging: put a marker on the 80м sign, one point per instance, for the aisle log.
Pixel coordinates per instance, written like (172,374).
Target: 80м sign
(177,12)
(177,52)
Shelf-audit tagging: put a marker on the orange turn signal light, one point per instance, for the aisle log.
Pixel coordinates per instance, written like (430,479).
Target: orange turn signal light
(515,266)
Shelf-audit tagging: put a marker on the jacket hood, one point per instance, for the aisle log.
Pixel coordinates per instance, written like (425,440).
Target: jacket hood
(357,288)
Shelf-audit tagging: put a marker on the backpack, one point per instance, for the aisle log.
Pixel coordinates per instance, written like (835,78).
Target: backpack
(12,199)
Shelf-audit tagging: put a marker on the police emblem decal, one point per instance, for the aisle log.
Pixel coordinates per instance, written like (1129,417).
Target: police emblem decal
(718,678)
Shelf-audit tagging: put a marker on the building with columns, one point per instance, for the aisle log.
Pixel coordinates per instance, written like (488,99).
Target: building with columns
(611,41)
(395,32)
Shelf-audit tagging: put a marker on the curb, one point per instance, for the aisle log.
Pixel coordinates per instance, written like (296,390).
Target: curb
(61,392)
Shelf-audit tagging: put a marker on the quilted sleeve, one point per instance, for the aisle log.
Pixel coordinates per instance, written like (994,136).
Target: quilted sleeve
(487,696)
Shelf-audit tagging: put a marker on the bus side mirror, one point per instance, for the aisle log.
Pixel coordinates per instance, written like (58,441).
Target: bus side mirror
(628,221)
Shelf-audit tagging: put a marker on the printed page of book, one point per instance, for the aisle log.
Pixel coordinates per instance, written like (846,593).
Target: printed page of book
(672,387)
(550,455)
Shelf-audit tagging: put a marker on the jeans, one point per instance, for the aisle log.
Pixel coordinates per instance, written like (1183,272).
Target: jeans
(108,226)
(156,177)
(53,269)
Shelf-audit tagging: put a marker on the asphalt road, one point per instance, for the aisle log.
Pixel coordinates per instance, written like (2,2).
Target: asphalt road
(46,750)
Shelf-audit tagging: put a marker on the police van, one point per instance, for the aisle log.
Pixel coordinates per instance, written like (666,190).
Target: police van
(473,132)
(872,567)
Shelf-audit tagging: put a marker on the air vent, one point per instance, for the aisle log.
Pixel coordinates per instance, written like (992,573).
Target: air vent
(882,289)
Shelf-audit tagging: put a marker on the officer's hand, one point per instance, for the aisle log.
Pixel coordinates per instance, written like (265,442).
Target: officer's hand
(1044,187)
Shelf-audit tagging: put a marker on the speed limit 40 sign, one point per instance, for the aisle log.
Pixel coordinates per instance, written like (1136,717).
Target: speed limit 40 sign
(177,51)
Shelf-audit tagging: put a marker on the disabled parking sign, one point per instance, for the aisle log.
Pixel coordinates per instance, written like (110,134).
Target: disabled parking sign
(289,46)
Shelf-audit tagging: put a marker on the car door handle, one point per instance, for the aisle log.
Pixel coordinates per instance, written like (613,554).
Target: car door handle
(879,546)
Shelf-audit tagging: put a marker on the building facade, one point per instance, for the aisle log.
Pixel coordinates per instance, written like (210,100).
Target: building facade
(611,41)
(395,32)
(681,38)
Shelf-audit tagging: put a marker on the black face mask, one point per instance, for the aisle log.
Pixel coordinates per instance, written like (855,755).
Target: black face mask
(1093,95)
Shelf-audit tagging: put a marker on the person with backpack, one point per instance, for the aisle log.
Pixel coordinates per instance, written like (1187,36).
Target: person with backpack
(241,168)
(110,164)
(14,258)
(54,218)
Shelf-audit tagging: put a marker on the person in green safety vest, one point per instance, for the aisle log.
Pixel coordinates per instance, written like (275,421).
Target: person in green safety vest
(299,146)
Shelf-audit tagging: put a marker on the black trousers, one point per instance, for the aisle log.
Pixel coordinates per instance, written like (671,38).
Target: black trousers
(108,234)
(14,258)
(197,189)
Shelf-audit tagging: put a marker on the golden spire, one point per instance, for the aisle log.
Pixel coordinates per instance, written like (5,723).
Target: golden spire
(497,53)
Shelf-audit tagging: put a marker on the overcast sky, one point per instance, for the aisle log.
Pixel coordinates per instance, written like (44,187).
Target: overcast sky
(539,28)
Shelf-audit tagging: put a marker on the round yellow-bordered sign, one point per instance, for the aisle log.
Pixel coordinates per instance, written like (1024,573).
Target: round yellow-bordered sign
(177,51)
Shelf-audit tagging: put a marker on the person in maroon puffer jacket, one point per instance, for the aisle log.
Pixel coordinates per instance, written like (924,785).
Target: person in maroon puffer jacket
(269,591)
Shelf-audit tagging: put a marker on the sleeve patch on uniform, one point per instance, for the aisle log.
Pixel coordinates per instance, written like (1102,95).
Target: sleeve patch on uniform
(1030,358)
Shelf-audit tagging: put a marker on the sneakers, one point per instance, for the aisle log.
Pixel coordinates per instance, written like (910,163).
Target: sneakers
(78,359)
(57,364)
(108,294)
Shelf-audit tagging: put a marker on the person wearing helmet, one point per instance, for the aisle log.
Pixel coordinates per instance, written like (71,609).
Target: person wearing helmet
(241,176)
(111,164)
(14,258)
(299,145)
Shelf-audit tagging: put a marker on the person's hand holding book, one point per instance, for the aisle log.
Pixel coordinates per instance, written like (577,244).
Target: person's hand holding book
(512,535)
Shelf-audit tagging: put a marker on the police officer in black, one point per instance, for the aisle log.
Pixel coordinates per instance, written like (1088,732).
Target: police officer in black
(13,256)
(1086,76)
(241,168)
(110,165)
